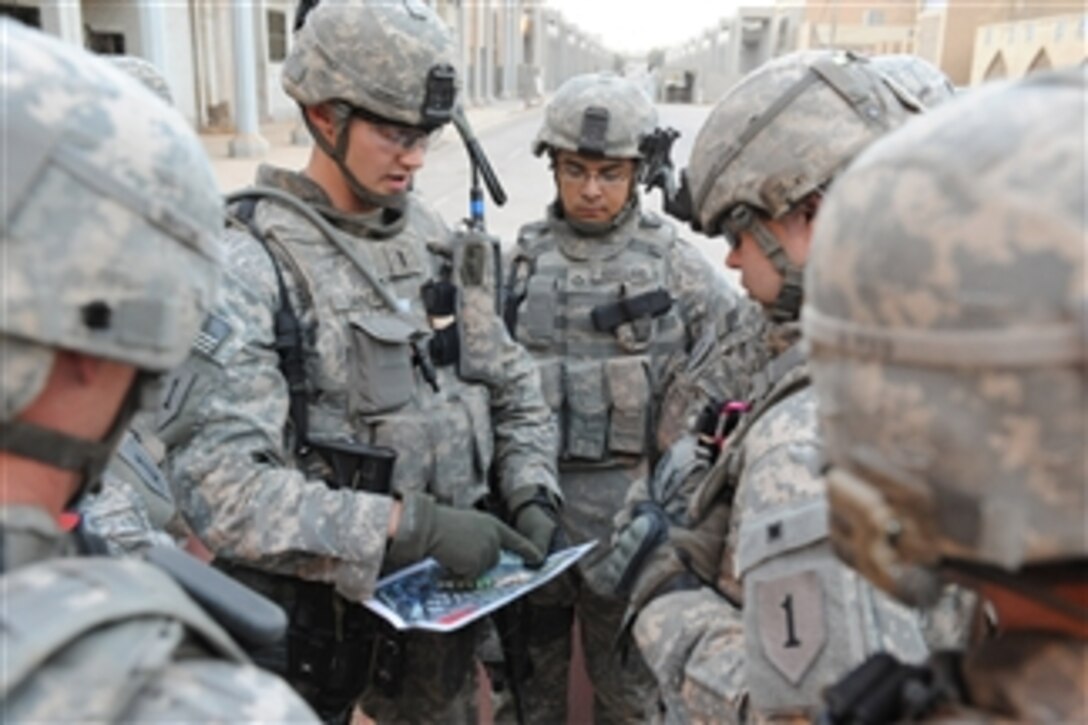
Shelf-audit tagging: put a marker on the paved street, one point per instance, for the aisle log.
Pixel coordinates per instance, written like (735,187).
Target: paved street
(506,132)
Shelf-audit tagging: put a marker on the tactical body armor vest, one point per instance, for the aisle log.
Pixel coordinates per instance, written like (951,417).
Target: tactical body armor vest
(596,314)
(370,375)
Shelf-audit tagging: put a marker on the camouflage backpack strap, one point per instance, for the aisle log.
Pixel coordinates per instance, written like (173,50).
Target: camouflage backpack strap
(114,622)
(533,240)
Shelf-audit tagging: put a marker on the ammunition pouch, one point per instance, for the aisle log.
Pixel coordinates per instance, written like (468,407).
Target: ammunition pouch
(335,649)
(607,317)
(357,466)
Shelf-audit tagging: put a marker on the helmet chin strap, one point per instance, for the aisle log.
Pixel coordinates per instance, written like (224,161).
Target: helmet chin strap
(338,153)
(60,450)
(786,307)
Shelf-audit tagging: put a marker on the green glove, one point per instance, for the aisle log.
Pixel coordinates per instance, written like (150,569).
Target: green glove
(536,517)
(465,541)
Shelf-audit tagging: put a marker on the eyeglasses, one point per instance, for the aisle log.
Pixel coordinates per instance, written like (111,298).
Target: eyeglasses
(608,177)
(735,221)
(398,136)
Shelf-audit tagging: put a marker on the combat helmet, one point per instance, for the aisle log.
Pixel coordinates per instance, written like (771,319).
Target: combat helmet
(909,74)
(110,220)
(782,133)
(389,62)
(144,72)
(597,114)
(947,320)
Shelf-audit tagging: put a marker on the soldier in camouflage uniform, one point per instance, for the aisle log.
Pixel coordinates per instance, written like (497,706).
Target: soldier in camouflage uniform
(345,405)
(110,263)
(947,319)
(135,506)
(602,294)
(742,610)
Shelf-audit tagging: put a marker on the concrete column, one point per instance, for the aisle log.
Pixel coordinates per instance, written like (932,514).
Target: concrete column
(539,45)
(247,142)
(64,19)
(153,33)
(464,45)
(488,45)
(512,49)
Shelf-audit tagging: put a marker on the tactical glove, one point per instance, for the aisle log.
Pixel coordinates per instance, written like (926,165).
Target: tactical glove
(649,556)
(467,542)
(535,514)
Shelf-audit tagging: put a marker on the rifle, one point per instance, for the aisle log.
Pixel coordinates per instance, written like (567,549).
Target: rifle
(657,173)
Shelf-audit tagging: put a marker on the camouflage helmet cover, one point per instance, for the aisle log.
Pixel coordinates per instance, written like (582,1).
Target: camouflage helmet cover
(600,114)
(144,72)
(375,55)
(923,80)
(946,317)
(110,215)
(784,131)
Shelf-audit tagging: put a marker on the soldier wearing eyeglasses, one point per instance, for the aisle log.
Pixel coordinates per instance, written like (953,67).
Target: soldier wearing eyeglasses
(326,428)
(603,294)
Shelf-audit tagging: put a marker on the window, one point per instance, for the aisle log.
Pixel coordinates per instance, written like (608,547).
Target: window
(25,15)
(1059,29)
(1029,32)
(989,36)
(277,36)
(873,17)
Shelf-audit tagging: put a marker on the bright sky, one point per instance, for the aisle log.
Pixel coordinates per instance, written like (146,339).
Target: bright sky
(639,25)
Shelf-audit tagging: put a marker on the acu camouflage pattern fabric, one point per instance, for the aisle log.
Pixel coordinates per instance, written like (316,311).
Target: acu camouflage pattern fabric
(631,115)
(384,51)
(950,290)
(604,389)
(108,198)
(88,144)
(806,619)
(948,332)
(110,640)
(798,150)
(232,460)
(144,72)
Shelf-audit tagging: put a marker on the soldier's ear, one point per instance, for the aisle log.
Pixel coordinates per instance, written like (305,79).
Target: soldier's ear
(324,119)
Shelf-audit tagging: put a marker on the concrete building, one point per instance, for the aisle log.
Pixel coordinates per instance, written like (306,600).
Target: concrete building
(873,27)
(702,69)
(222,58)
(1014,49)
(949,29)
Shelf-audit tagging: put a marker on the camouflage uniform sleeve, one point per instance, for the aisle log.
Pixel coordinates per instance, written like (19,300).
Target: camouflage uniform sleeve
(693,642)
(526,438)
(200,690)
(808,619)
(705,297)
(223,416)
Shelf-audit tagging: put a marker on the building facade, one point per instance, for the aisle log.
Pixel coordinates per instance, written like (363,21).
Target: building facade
(222,58)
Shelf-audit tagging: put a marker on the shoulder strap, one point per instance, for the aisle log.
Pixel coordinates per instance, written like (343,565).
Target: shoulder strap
(532,242)
(288,331)
(65,605)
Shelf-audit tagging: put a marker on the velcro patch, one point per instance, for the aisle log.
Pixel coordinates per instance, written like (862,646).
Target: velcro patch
(213,333)
(792,622)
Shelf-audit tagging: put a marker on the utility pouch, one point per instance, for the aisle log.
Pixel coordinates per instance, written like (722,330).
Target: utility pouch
(629,390)
(587,411)
(380,371)
(357,466)
(539,314)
